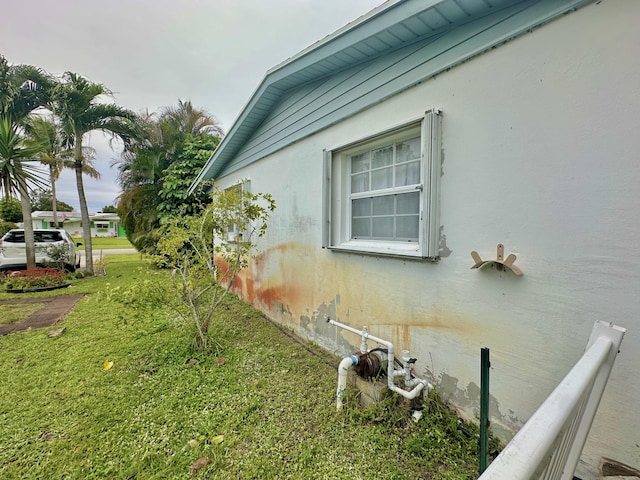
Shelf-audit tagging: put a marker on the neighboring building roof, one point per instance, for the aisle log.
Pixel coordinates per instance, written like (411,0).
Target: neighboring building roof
(392,48)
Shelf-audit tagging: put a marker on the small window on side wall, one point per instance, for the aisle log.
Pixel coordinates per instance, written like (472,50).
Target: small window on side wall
(233,232)
(381,194)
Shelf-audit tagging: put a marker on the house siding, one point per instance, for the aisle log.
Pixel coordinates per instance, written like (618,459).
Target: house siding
(540,143)
(326,100)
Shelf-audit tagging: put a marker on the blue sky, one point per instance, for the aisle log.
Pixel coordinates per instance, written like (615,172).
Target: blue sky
(151,53)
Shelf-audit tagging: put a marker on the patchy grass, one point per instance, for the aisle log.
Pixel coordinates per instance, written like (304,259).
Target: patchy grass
(13,312)
(263,409)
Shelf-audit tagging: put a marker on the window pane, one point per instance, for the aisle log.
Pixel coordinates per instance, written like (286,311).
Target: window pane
(408,150)
(361,207)
(408,203)
(361,228)
(383,205)
(408,174)
(360,163)
(382,157)
(407,227)
(383,227)
(381,178)
(360,182)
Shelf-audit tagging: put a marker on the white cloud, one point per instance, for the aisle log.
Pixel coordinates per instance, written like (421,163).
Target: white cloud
(151,53)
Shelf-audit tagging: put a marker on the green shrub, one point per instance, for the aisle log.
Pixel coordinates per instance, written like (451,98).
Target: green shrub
(6,226)
(34,278)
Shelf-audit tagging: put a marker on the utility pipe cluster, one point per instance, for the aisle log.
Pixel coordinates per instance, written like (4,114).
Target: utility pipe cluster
(410,381)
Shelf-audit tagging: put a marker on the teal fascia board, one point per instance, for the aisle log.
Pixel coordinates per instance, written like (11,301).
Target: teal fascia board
(283,110)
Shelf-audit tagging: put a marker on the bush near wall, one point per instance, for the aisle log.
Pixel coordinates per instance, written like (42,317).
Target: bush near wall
(6,226)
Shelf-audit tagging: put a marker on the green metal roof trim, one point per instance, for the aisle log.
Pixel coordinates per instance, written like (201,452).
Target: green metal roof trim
(392,48)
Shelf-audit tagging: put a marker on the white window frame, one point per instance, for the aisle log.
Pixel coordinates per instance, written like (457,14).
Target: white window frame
(233,233)
(337,194)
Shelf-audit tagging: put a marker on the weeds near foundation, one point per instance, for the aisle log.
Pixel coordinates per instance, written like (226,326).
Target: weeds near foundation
(262,409)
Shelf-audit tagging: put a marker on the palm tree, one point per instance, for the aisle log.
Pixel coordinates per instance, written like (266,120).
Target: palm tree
(55,156)
(184,118)
(45,132)
(23,89)
(75,104)
(16,174)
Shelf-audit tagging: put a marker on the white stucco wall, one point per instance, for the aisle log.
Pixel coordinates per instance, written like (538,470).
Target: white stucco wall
(541,138)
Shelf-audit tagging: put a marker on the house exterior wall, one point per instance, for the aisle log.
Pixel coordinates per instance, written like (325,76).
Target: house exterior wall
(74,227)
(540,143)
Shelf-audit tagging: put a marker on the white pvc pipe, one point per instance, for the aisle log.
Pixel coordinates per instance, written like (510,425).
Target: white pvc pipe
(391,371)
(343,371)
(413,393)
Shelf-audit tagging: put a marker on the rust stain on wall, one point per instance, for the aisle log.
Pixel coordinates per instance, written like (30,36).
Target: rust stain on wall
(275,280)
(292,280)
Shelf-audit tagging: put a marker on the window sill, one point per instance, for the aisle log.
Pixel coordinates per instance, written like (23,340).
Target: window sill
(398,250)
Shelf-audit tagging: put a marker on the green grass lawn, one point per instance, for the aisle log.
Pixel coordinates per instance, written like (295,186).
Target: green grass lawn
(263,409)
(15,312)
(106,243)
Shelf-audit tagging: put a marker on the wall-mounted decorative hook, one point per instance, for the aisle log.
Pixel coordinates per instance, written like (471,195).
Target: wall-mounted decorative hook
(500,262)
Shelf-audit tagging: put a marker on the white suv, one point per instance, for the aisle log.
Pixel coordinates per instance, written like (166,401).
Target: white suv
(13,255)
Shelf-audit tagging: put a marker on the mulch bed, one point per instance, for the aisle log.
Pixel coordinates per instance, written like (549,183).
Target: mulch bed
(54,310)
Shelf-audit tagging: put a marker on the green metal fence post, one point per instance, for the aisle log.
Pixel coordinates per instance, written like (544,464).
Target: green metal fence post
(485,365)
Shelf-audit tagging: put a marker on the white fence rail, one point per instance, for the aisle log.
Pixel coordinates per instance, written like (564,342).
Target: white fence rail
(549,445)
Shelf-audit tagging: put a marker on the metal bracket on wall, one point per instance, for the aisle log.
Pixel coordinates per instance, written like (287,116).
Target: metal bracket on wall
(500,262)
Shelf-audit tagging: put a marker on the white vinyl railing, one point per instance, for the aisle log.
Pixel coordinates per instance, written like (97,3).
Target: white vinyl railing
(549,445)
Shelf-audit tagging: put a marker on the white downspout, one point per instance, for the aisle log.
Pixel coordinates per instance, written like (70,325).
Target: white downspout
(417,383)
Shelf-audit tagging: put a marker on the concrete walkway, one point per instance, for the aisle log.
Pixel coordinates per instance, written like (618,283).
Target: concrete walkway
(54,310)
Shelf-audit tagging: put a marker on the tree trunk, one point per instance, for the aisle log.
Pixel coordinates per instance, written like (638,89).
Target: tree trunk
(54,204)
(6,186)
(29,241)
(84,211)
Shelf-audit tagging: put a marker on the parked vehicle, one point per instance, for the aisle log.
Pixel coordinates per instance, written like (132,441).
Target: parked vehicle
(52,246)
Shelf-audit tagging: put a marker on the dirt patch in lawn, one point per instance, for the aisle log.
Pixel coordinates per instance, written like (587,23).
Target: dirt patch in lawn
(53,311)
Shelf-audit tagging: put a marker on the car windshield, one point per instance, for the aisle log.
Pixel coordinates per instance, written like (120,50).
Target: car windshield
(40,237)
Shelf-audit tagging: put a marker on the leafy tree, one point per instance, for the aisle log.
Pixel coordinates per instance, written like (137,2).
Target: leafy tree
(42,200)
(139,216)
(109,209)
(10,210)
(6,226)
(76,105)
(177,177)
(155,174)
(203,258)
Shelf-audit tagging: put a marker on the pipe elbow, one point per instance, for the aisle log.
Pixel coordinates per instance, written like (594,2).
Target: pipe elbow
(347,363)
(410,394)
(343,370)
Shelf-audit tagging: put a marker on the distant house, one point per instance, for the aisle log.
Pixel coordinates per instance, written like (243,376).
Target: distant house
(430,129)
(102,224)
